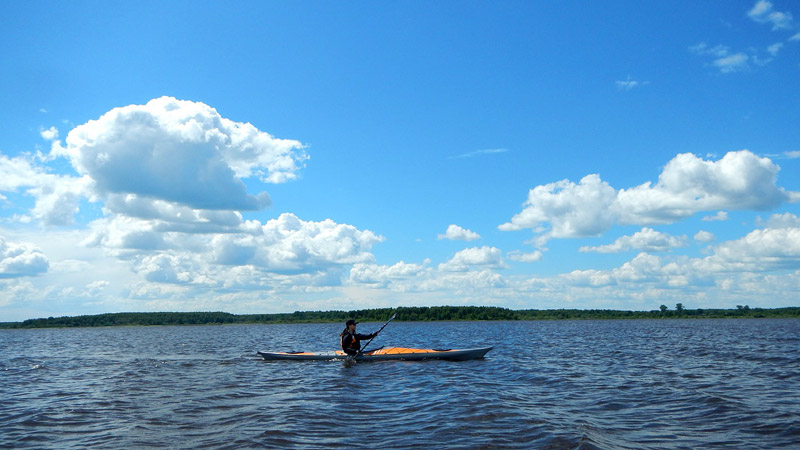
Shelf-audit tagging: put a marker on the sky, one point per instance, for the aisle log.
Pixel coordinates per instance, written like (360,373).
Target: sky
(268,157)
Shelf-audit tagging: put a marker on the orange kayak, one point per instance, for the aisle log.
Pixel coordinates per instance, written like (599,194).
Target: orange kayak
(383,354)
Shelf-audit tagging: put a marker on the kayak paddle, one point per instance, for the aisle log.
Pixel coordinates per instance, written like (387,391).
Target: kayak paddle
(373,337)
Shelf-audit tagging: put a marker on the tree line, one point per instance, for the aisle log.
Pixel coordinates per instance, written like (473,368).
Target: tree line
(409,314)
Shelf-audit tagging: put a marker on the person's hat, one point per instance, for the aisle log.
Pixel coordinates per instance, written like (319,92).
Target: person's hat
(350,322)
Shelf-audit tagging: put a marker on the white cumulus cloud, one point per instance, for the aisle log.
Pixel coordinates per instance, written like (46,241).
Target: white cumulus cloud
(785,220)
(720,216)
(173,269)
(57,197)
(384,275)
(485,257)
(571,210)
(169,216)
(456,233)
(19,259)
(647,239)
(687,185)
(519,256)
(286,244)
(704,236)
(180,151)
(289,243)
(761,250)
(50,134)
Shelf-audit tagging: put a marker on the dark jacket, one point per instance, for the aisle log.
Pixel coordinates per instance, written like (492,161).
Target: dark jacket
(351,342)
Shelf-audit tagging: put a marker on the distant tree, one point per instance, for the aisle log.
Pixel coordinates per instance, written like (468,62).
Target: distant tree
(679,308)
(663,308)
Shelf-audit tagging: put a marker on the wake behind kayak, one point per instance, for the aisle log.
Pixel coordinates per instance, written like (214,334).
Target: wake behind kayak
(382,354)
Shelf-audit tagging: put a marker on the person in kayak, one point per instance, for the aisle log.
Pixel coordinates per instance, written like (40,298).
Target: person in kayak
(351,341)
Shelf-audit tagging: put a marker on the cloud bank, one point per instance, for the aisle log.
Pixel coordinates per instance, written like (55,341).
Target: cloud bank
(164,181)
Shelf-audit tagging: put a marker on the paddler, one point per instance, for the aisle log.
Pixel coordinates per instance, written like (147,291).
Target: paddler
(351,341)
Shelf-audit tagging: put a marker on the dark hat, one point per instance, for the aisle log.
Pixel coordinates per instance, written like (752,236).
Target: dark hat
(350,322)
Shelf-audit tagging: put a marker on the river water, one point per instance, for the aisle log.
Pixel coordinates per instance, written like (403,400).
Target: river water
(552,385)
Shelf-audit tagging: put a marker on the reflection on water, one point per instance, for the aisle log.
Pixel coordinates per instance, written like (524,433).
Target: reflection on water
(567,384)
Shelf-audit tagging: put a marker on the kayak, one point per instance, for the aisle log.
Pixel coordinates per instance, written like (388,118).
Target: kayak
(382,354)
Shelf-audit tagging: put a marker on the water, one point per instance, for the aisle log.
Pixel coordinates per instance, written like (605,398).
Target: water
(554,385)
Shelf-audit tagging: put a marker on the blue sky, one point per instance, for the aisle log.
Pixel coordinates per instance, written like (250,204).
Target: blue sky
(282,156)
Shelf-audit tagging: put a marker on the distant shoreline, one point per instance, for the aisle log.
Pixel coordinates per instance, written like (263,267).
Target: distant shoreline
(407,314)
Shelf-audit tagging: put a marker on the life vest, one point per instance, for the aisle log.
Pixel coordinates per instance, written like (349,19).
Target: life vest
(353,342)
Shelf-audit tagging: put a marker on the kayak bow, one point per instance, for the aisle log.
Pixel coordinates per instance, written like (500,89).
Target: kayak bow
(382,354)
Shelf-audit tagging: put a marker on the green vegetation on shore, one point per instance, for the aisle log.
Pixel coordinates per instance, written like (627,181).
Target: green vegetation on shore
(409,314)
